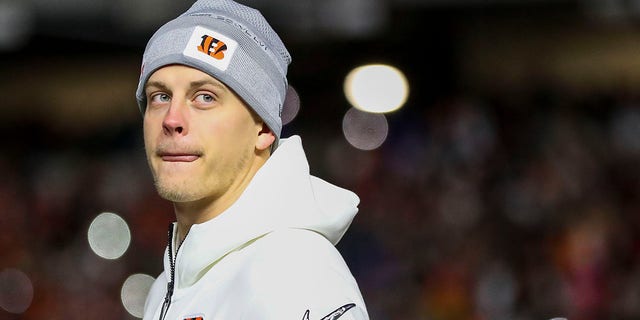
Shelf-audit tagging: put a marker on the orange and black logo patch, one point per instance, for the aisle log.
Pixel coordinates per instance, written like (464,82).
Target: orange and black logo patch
(214,48)
(195,318)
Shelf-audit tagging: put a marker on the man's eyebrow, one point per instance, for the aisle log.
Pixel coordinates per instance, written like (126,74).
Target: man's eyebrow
(157,84)
(200,83)
(193,85)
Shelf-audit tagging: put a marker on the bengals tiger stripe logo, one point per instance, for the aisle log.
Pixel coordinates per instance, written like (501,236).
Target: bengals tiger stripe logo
(212,47)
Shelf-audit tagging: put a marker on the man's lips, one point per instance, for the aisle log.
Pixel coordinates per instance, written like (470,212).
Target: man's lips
(178,157)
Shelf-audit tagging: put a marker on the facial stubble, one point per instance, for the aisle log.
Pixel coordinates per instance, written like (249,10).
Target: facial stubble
(187,188)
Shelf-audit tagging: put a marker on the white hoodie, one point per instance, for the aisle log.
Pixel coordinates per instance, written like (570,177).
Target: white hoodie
(271,255)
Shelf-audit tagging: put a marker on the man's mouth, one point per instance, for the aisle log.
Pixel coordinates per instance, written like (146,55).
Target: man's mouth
(178,156)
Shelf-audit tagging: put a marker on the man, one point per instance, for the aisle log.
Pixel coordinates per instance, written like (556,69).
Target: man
(254,234)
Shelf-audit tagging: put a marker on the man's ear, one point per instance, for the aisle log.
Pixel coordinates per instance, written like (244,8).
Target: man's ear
(265,138)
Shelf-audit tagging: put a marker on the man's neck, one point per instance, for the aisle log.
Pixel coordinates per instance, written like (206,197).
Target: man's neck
(205,209)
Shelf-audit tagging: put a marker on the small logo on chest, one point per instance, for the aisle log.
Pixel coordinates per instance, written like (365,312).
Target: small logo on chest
(333,315)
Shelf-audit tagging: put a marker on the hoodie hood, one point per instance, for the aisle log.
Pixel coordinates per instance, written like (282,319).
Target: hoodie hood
(281,195)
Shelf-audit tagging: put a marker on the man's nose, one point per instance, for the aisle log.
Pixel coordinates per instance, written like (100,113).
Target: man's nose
(176,119)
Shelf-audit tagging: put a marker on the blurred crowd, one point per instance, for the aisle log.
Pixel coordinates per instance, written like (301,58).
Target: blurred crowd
(479,206)
(504,207)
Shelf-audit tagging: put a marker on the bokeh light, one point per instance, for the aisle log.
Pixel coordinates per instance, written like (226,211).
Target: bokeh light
(109,235)
(496,291)
(625,130)
(291,105)
(134,293)
(16,22)
(376,88)
(16,291)
(365,130)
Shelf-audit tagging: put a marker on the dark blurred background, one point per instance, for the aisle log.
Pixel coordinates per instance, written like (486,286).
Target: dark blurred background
(508,186)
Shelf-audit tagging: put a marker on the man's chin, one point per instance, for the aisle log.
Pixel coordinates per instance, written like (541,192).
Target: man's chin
(174,193)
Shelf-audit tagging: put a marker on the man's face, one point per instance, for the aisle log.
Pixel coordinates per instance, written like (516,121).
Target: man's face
(200,138)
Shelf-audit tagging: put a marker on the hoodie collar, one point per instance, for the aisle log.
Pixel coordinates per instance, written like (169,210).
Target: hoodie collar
(281,195)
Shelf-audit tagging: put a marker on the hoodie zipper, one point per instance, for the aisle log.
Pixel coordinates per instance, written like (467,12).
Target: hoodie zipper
(172,263)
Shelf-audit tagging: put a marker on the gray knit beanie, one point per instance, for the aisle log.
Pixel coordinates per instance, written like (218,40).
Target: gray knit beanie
(232,43)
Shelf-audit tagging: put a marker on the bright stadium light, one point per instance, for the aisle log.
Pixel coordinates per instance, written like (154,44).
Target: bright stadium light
(376,88)
(109,236)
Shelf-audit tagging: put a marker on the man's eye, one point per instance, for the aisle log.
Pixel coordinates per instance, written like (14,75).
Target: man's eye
(160,98)
(205,98)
